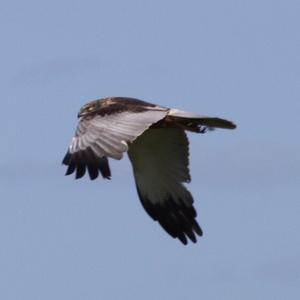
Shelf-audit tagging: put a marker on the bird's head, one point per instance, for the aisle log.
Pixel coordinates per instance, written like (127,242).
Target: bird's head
(94,107)
(88,109)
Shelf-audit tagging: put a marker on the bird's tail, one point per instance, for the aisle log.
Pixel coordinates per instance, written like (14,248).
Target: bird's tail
(197,123)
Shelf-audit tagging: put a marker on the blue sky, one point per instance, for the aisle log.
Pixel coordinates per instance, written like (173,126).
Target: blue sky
(67,239)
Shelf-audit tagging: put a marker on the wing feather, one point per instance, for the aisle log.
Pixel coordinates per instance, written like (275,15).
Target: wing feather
(101,136)
(160,163)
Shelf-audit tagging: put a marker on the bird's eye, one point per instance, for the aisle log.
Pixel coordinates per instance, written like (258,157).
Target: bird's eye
(90,108)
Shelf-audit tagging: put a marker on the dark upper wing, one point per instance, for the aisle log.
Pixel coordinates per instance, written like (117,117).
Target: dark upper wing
(160,164)
(98,137)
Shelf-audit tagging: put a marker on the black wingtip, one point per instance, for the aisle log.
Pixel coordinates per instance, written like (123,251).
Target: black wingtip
(66,159)
(85,160)
(176,217)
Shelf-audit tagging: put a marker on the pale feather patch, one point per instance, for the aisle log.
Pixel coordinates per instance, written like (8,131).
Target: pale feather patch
(110,134)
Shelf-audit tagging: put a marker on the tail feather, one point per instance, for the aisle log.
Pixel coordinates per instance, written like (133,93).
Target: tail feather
(216,123)
(194,122)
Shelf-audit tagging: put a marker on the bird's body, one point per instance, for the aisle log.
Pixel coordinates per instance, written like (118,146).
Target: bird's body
(157,146)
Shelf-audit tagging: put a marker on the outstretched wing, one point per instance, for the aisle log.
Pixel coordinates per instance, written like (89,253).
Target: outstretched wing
(98,137)
(160,163)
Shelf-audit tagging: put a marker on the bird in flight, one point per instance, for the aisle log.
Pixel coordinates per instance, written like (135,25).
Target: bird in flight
(154,138)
